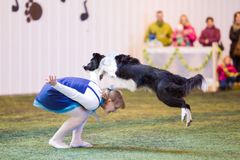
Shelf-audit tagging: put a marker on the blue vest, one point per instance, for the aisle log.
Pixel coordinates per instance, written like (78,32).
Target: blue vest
(53,100)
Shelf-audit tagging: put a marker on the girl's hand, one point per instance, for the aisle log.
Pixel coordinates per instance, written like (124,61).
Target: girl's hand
(105,94)
(52,80)
(185,32)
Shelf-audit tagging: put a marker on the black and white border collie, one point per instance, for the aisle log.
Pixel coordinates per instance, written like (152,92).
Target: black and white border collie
(169,88)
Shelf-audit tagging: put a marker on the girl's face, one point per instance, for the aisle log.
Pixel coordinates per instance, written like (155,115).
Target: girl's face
(237,19)
(183,20)
(227,60)
(109,107)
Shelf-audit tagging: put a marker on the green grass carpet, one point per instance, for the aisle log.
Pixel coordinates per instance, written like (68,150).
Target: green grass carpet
(146,129)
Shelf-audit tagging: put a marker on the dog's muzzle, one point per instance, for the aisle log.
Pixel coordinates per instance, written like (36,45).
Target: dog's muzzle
(88,68)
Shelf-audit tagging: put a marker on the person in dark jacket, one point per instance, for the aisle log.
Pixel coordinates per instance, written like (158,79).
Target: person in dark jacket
(234,36)
(210,34)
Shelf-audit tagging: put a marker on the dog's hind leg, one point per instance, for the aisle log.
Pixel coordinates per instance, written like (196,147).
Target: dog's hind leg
(186,114)
(172,101)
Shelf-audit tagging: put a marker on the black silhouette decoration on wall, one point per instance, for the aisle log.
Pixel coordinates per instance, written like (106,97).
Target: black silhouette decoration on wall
(84,15)
(15,7)
(34,10)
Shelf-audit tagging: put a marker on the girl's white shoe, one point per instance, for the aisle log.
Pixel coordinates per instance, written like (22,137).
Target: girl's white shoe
(58,144)
(81,144)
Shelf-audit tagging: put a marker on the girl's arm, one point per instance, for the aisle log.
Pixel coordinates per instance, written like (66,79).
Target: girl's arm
(232,69)
(67,91)
(192,34)
(72,93)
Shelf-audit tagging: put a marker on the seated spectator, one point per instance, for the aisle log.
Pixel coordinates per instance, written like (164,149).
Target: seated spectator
(178,36)
(210,34)
(188,31)
(159,30)
(227,74)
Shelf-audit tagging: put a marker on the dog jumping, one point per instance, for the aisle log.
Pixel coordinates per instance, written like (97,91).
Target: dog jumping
(169,88)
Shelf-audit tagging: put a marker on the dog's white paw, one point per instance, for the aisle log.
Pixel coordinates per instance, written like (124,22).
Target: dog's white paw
(188,117)
(183,114)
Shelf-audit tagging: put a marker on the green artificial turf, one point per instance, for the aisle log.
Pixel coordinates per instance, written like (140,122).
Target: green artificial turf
(146,129)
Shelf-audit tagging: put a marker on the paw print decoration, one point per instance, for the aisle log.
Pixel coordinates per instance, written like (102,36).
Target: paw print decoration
(33,11)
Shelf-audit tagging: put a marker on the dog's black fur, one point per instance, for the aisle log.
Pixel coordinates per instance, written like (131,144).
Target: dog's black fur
(94,63)
(169,88)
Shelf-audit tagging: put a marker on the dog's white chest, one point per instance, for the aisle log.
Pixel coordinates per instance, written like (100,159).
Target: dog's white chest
(123,83)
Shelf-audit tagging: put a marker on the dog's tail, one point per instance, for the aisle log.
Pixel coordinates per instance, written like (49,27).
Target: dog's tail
(197,81)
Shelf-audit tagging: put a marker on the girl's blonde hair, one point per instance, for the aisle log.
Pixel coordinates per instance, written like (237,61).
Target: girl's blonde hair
(117,98)
(225,58)
(180,20)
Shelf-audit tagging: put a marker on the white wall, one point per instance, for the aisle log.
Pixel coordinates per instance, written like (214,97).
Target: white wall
(60,43)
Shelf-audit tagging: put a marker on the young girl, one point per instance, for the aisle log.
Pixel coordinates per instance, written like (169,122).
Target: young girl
(188,31)
(77,98)
(227,74)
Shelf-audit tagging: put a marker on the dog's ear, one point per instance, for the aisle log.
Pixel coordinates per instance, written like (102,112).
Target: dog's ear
(120,58)
(96,54)
(126,59)
(132,60)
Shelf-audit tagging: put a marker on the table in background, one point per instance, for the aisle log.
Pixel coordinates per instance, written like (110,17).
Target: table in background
(194,57)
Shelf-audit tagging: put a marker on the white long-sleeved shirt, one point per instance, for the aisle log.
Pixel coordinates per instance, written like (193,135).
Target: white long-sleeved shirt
(90,100)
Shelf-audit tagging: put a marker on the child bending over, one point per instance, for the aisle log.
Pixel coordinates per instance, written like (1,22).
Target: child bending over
(76,98)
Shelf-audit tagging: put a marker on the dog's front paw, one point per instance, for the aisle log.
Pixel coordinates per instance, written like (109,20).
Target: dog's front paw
(183,114)
(188,117)
(188,123)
